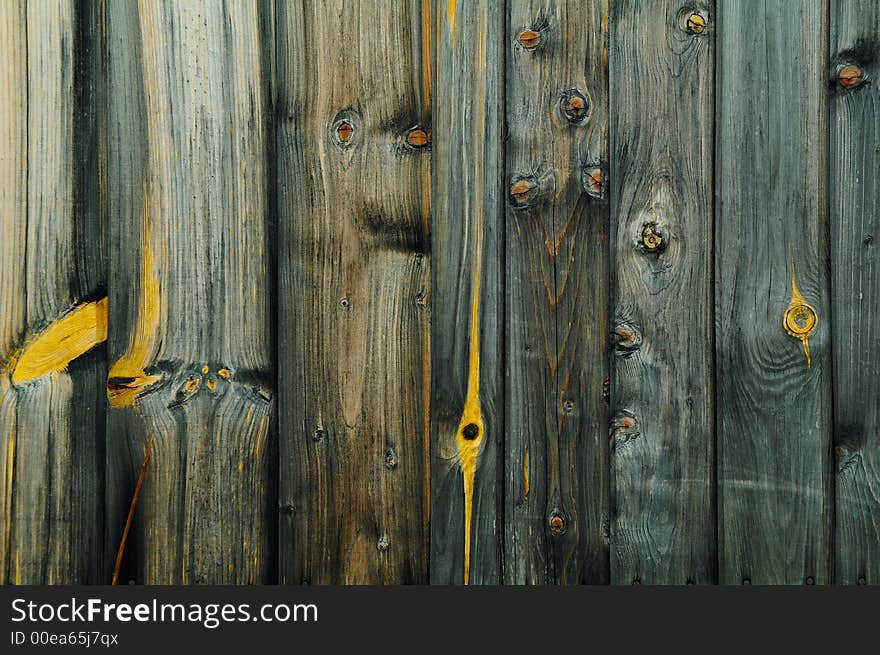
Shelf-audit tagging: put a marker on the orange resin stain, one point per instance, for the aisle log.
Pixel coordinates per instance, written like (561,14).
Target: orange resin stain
(72,335)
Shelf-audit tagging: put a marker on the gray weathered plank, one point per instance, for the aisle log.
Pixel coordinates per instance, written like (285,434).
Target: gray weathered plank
(774,401)
(854,196)
(466,294)
(191,334)
(556,318)
(354,272)
(51,272)
(662,441)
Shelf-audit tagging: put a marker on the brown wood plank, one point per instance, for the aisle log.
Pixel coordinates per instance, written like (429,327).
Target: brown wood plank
(662,430)
(854,196)
(556,269)
(354,274)
(191,335)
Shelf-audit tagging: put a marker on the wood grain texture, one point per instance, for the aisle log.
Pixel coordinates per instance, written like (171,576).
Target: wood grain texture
(556,479)
(466,294)
(51,221)
(190,331)
(354,274)
(661,436)
(854,195)
(774,411)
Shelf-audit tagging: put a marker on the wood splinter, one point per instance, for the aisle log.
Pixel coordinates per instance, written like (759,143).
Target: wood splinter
(148,453)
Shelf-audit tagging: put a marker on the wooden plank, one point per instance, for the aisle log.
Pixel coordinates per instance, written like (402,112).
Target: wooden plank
(556,318)
(191,337)
(662,441)
(354,272)
(52,271)
(854,195)
(467,248)
(774,401)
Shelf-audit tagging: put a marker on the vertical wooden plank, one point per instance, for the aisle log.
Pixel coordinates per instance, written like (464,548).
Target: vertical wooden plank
(191,343)
(556,479)
(353,209)
(467,252)
(661,436)
(51,312)
(774,401)
(854,195)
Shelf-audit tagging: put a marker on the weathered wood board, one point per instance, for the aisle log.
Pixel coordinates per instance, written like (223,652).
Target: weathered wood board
(522,292)
(556,316)
(52,275)
(354,186)
(854,198)
(467,233)
(774,400)
(190,344)
(662,432)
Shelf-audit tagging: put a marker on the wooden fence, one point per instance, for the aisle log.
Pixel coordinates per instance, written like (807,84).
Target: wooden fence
(411,291)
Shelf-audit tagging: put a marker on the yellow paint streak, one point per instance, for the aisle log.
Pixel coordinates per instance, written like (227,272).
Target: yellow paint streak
(141,349)
(72,335)
(451,13)
(469,449)
(800,319)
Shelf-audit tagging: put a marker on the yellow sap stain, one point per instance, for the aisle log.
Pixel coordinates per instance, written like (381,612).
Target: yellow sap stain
(800,319)
(72,335)
(127,375)
(469,445)
(526,475)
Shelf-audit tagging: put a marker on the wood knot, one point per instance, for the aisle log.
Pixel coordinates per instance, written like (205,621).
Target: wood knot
(593,180)
(382,544)
(800,320)
(556,523)
(521,190)
(574,105)
(529,39)
(417,138)
(695,23)
(528,189)
(470,431)
(390,458)
(651,239)
(626,338)
(343,131)
(624,428)
(850,76)
(318,434)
